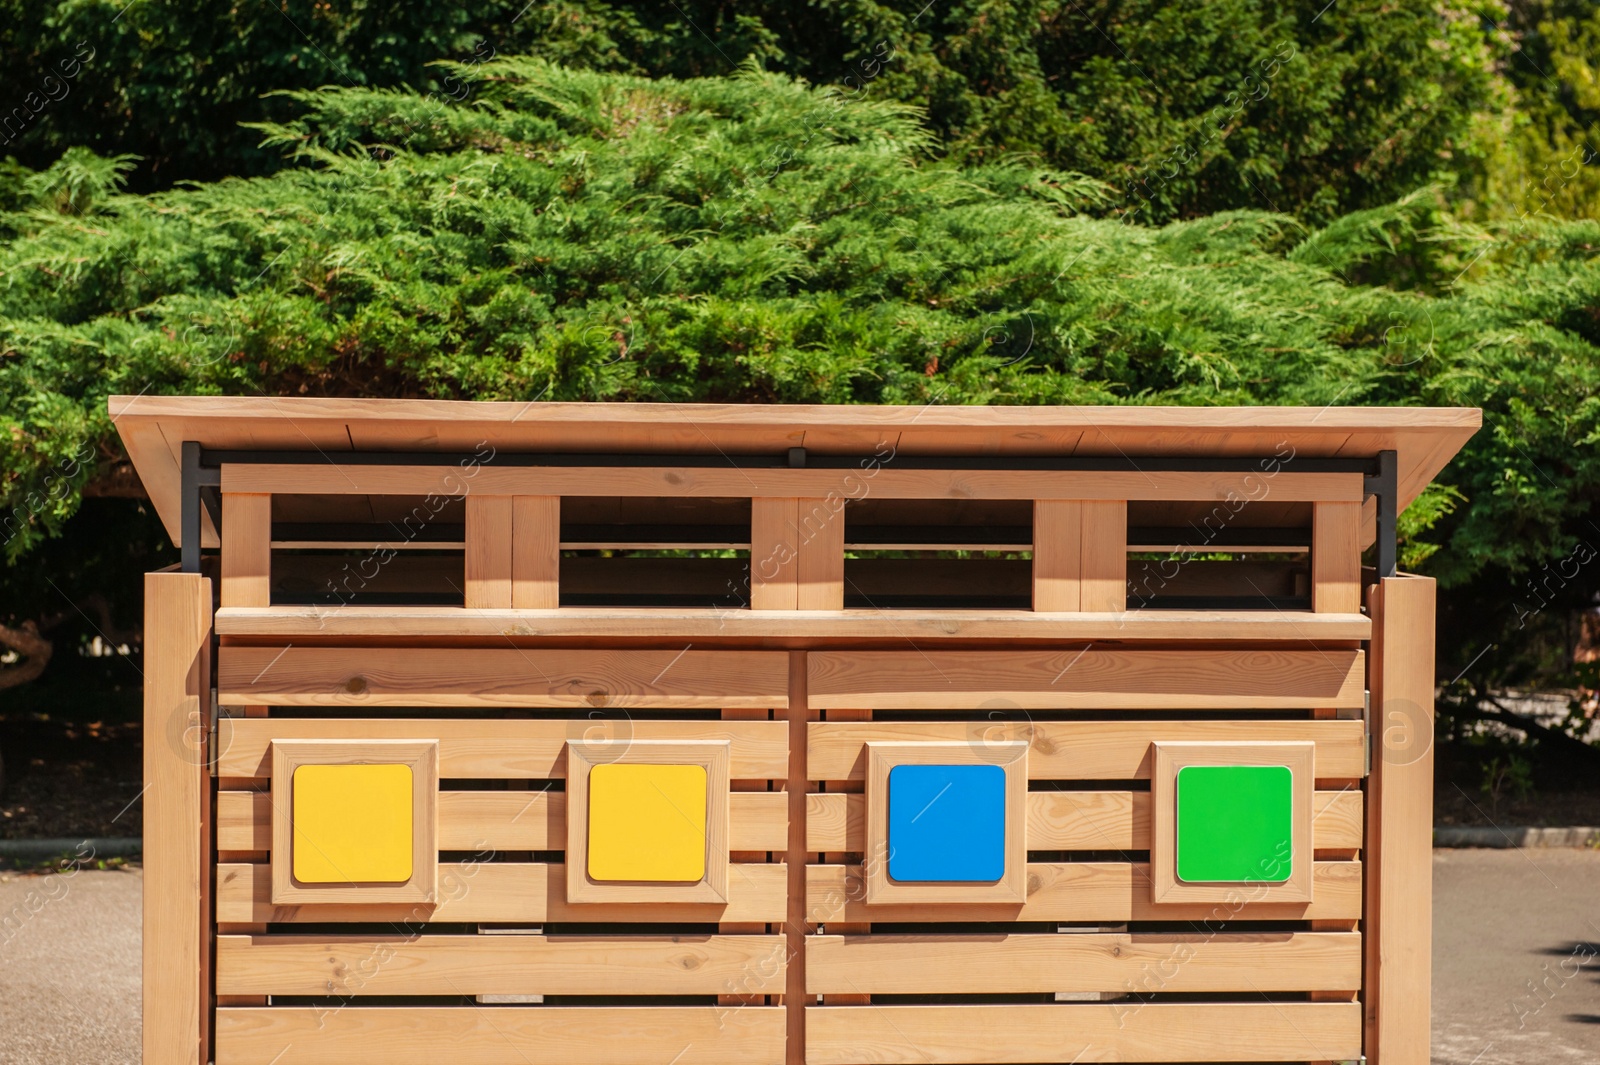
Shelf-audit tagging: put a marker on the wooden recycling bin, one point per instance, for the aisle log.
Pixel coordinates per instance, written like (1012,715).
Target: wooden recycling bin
(485,733)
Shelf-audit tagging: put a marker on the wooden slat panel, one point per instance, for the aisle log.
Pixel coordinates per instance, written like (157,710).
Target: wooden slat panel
(1082,750)
(515,749)
(1335,557)
(1135,964)
(536,552)
(1075,820)
(1057,543)
(246,550)
(423,676)
(488,552)
(774,558)
(694,623)
(177,630)
(820,523)
(500,892)
(1153,1032)
(499,1035)
(1087,679)
(1105,555)
(497,965)
(887,483)
(504,821)
(1109,892)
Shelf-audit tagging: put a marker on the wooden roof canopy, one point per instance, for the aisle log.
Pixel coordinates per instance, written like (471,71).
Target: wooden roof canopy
(154,428)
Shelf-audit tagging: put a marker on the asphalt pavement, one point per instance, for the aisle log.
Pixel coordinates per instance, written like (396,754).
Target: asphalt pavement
(1516,962)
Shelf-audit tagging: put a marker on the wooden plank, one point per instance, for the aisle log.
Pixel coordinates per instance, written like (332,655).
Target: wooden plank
(1088,679)
(536,552)
(1143,963)
(476,890)
(759,483)
(246,550)
(1104,562)
(794,926)
(813,622)
(496,1035)
(355,965)
(1075,820)
(503,821)
(1101,892)
(1399,823)
(821,524)
(1132,1031)
(1082,750)
(774,558)
(177,629)
(513,749)
(422,676)
(1336,558)
(488,552)
(1057,562)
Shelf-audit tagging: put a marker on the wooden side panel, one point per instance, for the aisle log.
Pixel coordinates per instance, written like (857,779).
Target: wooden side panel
(490,1035)
(177,707)
(246,550)
(1336,558)
(1149,1032)
(1399,824)
(774,558)
(1083,750)
(820,524)
(1142,963)
(535,552)
(472,891)
(1088,679)
(1057,545)
(488,552)
(497,965)
(512,750)
(422,676)
(1105,555)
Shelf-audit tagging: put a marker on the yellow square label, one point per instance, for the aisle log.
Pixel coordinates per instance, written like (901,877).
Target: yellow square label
(352,824)
(647,822)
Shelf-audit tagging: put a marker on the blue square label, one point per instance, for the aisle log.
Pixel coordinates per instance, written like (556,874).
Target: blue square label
(947,823)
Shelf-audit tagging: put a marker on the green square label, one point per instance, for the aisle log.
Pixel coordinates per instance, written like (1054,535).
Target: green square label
(1235,824)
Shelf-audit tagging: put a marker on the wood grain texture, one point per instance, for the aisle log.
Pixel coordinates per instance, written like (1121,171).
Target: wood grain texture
(334,676)
(498,1035)
(1057,821)
(1153,1032)
(1335,558)
(1088,679)
(1102,892)
(1057,544)
(504,821)
(535,552)
(177,631)
(246,550)
(357,965)
(774,557)
(820,525)
(1081,750)
(1399,824)
(1143,963)
(488,552)
(476,890)
(1104,562)
(515,749)
(818,622)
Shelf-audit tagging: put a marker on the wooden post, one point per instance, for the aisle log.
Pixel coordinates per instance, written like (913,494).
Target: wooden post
(1057,562)
(246,549)
(774,556)
(536,552)
(1399,910)
(177,837)
(794,986)
(1105,555)
(820,530)
(1336,558)
(488,551)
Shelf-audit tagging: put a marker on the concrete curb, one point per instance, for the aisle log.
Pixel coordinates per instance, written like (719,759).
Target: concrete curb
(85,850)
(1489,836)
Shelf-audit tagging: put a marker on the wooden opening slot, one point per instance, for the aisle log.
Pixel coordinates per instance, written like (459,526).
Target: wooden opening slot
(1219,555)
(938,553)
(687,551)
(368,550)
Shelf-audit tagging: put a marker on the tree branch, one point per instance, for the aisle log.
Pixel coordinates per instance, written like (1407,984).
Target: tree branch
(34,649)
(1576,749)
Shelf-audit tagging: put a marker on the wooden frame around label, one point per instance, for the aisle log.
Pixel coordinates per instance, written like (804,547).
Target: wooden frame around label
(1010,756)
(1169,758)
(423,758)
(714,756)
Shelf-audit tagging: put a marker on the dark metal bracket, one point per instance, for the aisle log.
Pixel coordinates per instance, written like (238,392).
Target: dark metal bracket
(1384,485)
